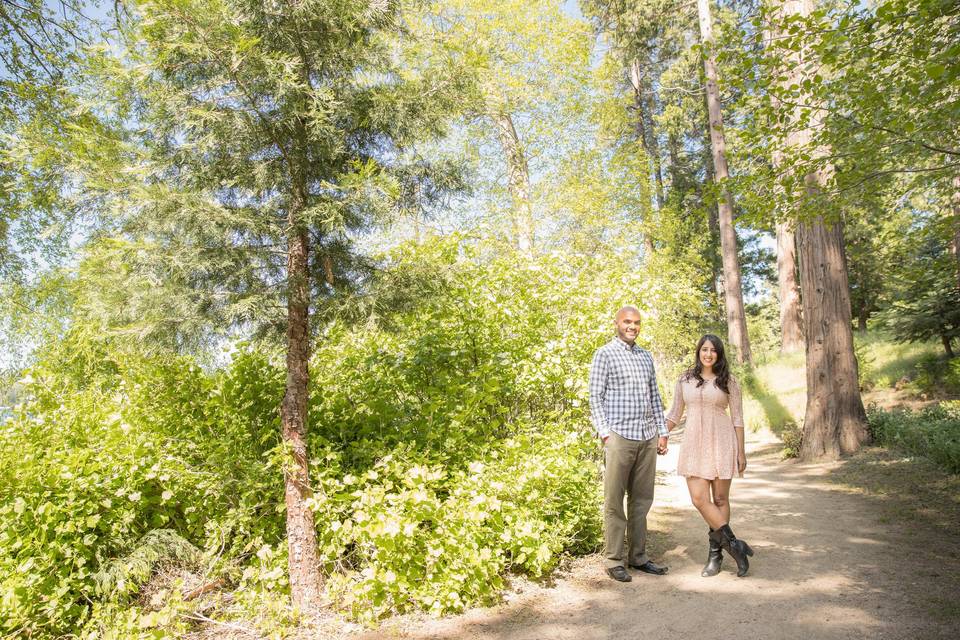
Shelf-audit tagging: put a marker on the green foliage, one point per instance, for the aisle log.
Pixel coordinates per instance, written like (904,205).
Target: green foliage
(925,300)
(874,93)
(933,432)
(792,437)
(928,313)
(451,447)
(108,450)
(937,376)
(866,366)
(40,52)
(470,455)
(415,534)
(123,576)
(889,362)
(763,320)
(226,123)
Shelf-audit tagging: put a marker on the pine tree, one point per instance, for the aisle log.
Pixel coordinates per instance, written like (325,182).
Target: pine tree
(260,140)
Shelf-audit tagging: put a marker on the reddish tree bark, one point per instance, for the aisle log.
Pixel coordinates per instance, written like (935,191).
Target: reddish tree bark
(835,422)
(791,332)
(302,562)
(791,322)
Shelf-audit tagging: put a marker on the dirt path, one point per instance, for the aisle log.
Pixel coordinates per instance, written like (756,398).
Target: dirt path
(829,564)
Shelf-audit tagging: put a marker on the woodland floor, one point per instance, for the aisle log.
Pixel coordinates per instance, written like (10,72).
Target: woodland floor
(867,547)
(863,548)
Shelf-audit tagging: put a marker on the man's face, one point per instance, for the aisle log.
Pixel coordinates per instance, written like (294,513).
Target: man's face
(628,325)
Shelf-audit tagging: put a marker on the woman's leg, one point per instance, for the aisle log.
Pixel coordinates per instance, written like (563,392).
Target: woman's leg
(700,496)
(723,535)
(720,489)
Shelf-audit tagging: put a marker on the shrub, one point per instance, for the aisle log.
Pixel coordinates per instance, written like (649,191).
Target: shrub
(87,471)
(409,534)
(937,376)
(867,376)
(792,437)
(933,432)
(449,448)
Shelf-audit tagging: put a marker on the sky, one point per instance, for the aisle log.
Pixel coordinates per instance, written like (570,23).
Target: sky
(572,8)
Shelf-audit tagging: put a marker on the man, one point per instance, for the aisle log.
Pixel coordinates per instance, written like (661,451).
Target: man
(627,412)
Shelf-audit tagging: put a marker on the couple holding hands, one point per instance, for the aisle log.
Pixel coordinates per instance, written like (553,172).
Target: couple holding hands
(628,414)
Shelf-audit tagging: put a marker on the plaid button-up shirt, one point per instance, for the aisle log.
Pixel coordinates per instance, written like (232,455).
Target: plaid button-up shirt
(623,393)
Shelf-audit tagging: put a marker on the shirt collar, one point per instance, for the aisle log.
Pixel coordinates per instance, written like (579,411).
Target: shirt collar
(624,345)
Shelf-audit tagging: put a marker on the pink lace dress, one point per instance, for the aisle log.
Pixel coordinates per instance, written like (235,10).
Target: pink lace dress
(709,448)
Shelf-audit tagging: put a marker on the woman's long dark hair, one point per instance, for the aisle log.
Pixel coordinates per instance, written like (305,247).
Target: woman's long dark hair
(720,367)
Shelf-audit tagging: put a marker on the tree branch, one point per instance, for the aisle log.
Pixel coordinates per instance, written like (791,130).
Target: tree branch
(877,174)
(893,132)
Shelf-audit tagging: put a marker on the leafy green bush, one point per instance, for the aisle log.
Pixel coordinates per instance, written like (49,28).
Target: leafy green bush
(867,376)
(87,471)
(409,534)
(450,446)
(792,437)
(933,432)
(937,376)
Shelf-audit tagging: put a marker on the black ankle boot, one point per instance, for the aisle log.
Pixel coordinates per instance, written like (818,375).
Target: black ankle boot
(714,560)
(738,549)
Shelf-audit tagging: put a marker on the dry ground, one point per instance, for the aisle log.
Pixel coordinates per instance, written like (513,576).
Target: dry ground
(840,553)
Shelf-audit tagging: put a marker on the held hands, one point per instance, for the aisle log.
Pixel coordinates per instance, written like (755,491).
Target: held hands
(662,447)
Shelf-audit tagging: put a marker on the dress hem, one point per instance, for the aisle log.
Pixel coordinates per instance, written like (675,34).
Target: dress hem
(695,475)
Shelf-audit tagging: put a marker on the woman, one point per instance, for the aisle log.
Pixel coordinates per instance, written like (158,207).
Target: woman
(713,447)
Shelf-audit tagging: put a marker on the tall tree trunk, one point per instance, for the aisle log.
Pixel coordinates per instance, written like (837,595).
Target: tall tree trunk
(518,175)
(713,222)
(945,340)
(835,421)
(643,102)
(791,332)
(733,290)
(791,322)
(955,240)
(302,562)
(713,214)
(647,137)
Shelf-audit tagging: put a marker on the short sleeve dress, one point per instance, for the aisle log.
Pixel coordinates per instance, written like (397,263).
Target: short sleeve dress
(709,448)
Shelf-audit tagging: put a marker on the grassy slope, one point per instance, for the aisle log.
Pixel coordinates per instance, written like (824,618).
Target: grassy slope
(776,393)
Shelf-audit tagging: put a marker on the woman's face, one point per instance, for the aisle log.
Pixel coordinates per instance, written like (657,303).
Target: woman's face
(707,354)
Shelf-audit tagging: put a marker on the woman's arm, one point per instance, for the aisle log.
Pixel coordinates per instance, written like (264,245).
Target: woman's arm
(736,416)
(741,451)
(676,410)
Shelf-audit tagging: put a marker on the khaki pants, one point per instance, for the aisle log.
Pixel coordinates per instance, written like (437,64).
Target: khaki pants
(631,469)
